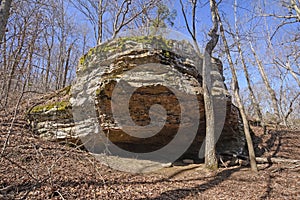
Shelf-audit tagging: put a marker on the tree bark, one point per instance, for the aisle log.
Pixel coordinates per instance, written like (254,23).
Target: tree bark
(17,57)
(100,22)
(67,65)
(245,69)
(211,161)
(4,15)
(267,83)
(238,99)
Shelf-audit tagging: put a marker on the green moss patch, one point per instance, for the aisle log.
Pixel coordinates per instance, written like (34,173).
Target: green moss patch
(63,105)
(119,44)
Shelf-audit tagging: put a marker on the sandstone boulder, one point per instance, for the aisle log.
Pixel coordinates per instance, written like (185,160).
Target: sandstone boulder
(109,72)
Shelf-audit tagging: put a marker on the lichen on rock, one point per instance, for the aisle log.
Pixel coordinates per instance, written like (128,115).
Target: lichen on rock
(112,62)
(52,117)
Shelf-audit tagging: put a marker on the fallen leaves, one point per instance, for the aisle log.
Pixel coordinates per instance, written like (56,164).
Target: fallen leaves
(63,172)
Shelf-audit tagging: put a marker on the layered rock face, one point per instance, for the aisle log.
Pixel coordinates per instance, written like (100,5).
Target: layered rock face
(52,118)
(143,91)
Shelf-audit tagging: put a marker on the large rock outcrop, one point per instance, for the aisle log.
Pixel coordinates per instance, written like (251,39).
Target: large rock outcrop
(122,65)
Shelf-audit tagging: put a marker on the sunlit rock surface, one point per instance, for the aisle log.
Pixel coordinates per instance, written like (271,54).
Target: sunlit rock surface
(170,70)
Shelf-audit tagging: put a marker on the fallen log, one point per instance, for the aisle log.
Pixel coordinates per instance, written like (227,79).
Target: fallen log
(276,160)
(262,160)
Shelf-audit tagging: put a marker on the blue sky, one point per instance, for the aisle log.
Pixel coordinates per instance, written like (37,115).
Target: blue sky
(249,24)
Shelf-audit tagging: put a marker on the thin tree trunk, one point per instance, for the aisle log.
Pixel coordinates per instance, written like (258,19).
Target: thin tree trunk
(48,67)
(3,68)
(238,99)
(245,69)
(62,48)
(67,65)
(211,161)
(16,60)
(100,22)
(4,15)
(267,83)
(290,110)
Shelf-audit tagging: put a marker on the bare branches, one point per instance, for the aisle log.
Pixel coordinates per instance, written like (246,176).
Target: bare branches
(281,16)
(266,82)
(237,42)
(292,17)
(290,109)
(292,6)
(116,25)
(194,2)
(121,19)
(296,8)
(280,26)
(238,98)
(213,32)
(287,66)
(192,31)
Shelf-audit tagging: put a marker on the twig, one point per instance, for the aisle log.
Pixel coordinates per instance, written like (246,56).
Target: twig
(19,166)
(13,121)
(60,194)
(224,164)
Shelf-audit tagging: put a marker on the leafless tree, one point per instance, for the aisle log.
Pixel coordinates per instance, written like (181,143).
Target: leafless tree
(119,14)
(210,153)
(236,38)
(42,34)
(237,95)
(211,161)
(267,83)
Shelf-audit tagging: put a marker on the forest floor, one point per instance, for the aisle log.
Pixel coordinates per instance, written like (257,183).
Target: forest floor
(31,168)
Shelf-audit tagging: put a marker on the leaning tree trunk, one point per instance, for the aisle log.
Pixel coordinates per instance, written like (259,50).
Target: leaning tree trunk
(238,99)
(245,69)
(267,83)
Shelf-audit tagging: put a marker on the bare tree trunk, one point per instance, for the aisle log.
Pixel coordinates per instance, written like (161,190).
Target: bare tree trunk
(4,14)
(100,22)
(67,65)
(3,68)
(238,99)
(49,56)
(245,69)
(267,83)
(62,47)
(211,161)
(290,110)
(17,56)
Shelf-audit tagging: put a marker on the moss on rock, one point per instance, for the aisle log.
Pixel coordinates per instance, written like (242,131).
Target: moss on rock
(58,100)
(119,45)
(59,106)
